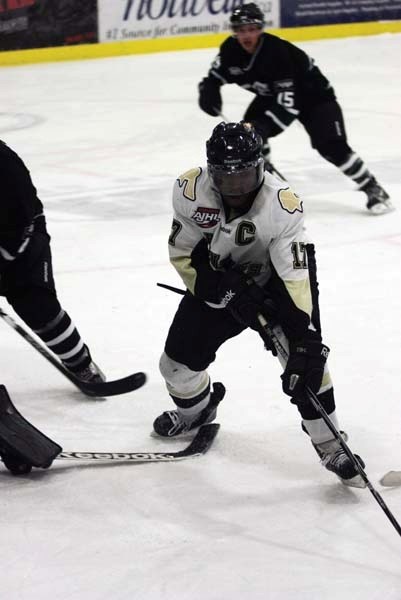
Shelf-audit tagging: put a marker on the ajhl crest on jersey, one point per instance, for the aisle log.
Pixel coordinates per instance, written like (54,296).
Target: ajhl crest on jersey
(206,217)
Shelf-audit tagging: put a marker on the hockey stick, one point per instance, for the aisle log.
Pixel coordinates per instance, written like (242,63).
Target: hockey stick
(220,114)
(317,405)
(23,446)
(172,288)
(267,334)
(272,169)
(105,388)
(198,446)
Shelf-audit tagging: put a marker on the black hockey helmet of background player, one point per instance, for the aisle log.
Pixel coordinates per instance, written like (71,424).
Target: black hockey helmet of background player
(247,14)
(234,158)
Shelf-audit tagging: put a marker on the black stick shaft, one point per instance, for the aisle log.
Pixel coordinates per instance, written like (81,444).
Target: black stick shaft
(317,405)
(266,330)
(35,344)
(172,288)
(98,389)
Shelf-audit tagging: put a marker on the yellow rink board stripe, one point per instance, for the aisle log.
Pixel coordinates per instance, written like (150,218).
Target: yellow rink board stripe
(191,42)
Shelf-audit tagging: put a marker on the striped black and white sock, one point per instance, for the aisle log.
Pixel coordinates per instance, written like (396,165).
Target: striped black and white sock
(355,169)
(62,337)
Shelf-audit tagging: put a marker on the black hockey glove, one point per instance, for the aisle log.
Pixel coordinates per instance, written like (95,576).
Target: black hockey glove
(305,367)
(245,299)
(210,97)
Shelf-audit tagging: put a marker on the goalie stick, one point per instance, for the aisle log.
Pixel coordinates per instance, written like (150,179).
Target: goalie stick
(104,388)
(198,446)
(391,479)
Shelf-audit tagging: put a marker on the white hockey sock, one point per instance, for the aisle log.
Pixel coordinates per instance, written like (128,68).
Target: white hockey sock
(318,430)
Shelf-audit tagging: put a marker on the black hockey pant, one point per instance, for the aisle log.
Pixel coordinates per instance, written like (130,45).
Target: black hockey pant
(28,284)
(323,122)
(198,331)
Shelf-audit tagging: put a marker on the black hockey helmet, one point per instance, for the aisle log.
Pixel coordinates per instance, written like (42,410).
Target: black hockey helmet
(234,158)
(247,14)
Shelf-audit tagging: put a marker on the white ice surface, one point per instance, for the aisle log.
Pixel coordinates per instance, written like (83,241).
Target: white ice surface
(257,517)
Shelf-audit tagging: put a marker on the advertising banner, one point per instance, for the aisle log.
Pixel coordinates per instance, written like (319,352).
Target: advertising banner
(298,13)
(41,23)
(124,20)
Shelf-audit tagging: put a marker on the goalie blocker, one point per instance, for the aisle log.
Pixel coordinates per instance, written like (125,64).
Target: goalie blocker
(22,446)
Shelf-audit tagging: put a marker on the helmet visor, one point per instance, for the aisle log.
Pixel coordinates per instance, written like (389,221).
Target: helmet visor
(236,182)
(237,26)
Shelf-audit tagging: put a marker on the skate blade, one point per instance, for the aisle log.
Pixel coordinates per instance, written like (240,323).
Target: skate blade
(381,208)
(186,435)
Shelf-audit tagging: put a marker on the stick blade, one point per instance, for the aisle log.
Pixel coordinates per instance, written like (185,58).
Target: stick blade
(198,446)
(201,442)
(391,479)
(112,388)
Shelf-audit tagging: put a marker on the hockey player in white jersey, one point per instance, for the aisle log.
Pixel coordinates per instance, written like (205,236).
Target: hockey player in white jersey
(238,243)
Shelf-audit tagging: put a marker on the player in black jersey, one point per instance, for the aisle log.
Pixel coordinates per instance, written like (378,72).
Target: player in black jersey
(26,272)
(287,86)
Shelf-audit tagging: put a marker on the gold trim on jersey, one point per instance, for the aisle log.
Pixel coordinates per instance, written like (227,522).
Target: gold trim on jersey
(187,181)
(300,292)
(185,270)
(326,381)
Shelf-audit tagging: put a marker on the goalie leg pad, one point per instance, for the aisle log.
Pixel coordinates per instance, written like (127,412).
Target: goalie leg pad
(20,442)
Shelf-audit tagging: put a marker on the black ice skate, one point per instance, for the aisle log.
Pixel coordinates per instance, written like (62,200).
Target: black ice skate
(378,200)
(91,374)
(334,458)
(172,423)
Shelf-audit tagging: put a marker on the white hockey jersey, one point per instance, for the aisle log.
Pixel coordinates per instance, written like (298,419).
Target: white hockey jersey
(270,234)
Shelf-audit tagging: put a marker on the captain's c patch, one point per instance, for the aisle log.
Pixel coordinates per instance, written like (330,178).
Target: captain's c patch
(290,201)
